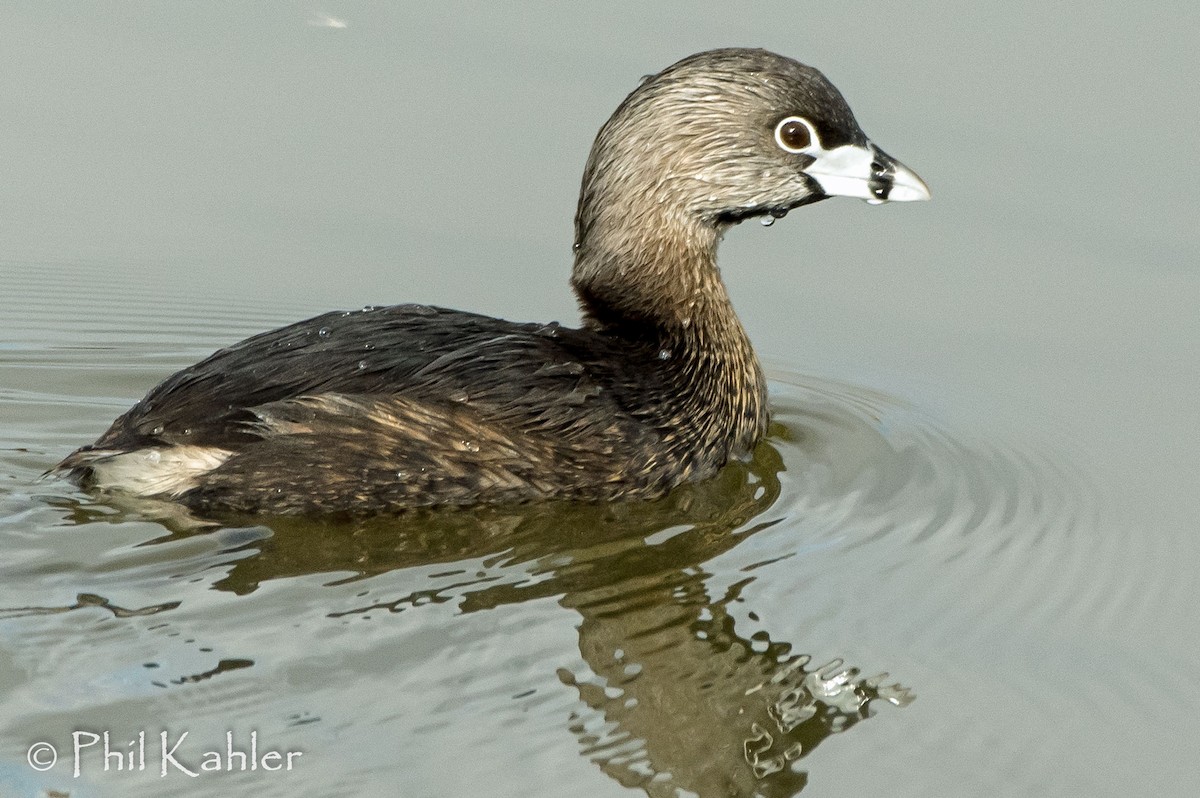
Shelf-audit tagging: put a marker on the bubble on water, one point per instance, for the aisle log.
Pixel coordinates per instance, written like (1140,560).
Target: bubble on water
(326,21)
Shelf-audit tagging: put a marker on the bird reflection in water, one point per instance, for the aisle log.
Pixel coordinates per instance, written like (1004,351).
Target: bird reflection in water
(677,698)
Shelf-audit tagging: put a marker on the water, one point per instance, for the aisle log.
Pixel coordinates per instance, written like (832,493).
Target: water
(981,478)
(640,634)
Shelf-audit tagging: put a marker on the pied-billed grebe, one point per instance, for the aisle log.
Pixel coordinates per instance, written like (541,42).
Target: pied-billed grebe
(405,406)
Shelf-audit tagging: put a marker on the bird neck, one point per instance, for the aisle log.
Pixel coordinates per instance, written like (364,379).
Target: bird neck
(651,271)
(660,285)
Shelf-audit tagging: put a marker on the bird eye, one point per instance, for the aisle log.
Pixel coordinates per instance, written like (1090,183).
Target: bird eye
(795,134)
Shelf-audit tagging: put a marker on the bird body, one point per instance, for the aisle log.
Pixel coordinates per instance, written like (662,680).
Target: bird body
(410,405)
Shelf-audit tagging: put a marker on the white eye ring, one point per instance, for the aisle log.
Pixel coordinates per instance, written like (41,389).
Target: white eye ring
(814,141)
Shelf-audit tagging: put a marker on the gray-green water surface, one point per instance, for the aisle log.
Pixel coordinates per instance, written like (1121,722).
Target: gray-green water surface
(962,564)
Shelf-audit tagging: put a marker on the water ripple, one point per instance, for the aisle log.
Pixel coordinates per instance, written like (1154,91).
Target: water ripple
(704,638)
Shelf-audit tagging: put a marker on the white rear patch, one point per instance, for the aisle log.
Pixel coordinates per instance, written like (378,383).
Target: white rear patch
(159,471)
